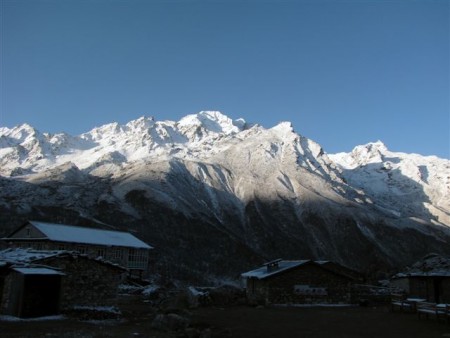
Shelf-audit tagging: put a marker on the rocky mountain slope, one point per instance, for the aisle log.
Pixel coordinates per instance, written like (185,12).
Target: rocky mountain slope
(216,196)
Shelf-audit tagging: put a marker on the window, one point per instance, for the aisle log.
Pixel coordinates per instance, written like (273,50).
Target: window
(81,249)
(101,252)
(117,254)
(28,245)
(28,230)
(137,259)
(307,290)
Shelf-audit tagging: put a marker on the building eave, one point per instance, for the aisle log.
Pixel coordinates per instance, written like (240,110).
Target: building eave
(26,239)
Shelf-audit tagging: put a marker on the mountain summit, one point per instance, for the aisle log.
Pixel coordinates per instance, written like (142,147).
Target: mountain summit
(26,150)
(216,195)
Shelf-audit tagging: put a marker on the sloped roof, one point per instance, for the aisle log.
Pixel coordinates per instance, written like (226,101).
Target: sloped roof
(277,266)
(76,234)
(18,255)
(263,272)
(37,271)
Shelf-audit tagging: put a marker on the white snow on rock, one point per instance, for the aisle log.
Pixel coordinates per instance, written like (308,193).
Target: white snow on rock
(390,178)
(25,150)
(232,159)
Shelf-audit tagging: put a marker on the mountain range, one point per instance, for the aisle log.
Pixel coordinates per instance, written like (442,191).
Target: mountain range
(216,196)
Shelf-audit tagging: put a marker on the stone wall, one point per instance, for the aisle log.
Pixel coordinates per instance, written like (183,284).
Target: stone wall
(6,286)
(319,286)
(86,281)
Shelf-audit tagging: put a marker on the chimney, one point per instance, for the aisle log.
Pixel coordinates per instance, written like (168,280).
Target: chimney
(273,265)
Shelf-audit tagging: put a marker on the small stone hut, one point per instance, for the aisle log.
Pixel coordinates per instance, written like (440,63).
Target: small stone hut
(39,283)
(428,278)
(299,282)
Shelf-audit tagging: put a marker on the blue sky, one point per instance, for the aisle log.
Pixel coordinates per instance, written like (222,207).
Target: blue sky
(343,72)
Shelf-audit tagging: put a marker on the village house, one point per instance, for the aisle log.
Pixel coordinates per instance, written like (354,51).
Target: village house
(40,282)
(429,279)
(115,246)
(299,282)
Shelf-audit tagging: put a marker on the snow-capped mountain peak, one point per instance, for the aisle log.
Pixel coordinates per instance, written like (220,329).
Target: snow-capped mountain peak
(394,177)
(25,148)
(272,191)
(283,128)
(210,122)
(19,134)
(373,152)
(140,125)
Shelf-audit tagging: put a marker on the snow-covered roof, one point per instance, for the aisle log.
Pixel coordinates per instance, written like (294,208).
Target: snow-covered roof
(76,234)
(423,274)
(37,271)
(276,266)
(18,255)
(431,265)
(28,257)
(264,272)
(322,262)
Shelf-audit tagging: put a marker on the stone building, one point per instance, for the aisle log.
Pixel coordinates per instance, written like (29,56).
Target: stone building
(428,278)
(299,282)
(39,283)
(115,246)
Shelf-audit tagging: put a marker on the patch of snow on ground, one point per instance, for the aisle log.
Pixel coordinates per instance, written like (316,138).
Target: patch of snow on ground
(150,289)
(314,305)
(35,319)
(107,309)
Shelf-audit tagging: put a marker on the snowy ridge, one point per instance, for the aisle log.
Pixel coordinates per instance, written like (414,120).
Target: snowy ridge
(24,149)
(220,185)
(392,178)
(234,157)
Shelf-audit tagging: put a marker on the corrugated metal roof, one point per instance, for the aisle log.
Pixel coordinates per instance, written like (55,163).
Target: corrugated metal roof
(263,272)
(75,234)
(37,271)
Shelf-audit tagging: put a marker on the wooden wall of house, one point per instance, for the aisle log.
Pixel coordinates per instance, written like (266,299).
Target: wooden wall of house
(280,288)
(121,255)
(432,288)
(419,287)
(28,231)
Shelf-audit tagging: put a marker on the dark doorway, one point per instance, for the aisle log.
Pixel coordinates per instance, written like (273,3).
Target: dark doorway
(437,285)
(2,283)
(40,295)
(33,292)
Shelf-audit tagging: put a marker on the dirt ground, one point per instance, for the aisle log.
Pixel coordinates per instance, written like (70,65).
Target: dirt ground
(241,321)
(321,322)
